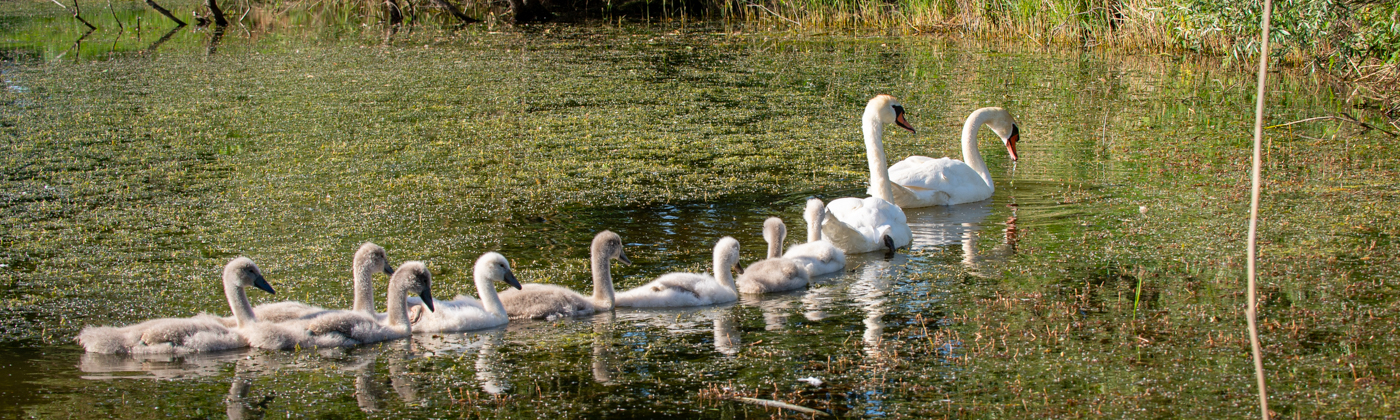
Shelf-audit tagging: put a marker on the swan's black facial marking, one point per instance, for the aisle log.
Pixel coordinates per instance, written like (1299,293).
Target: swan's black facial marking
(899,119)
(889,243)
(1011,141)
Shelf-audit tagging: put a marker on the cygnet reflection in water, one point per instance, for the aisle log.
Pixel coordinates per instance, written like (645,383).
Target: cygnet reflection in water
(709,320)
(99,366)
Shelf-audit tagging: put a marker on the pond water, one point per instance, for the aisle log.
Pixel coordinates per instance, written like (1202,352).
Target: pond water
(1103,279)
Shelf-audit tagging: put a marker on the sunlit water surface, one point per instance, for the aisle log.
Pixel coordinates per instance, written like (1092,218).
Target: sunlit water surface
(1101,279)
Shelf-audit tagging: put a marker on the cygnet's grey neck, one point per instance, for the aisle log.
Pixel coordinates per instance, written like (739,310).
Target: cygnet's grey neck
(364,286)
(602,279)
(238,301)
(398,304)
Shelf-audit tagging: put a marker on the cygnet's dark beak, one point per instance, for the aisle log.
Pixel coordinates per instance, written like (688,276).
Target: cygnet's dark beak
(261,283)
(510,279)
(899,119)
(622,257)
(427,296)
(388,268)
(739,267)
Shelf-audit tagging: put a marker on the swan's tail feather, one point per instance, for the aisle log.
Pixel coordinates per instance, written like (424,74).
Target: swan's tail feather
(105,340)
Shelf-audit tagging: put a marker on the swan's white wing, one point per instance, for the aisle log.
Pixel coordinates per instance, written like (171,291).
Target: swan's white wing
(457,315)
(856,225)
(201,333)
(941,181)
(677,290)
(820,257)
(535,300)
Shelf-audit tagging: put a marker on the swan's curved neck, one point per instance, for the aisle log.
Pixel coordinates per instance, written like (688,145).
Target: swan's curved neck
(775,246)
(602,281)
(875,155)
(364,289)
(398,306)
(971,155)
(238,302)
(723,273)
(486,290)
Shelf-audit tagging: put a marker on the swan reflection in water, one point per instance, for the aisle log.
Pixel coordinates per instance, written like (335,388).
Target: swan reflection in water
(717,320)
(485,343)
(962,224)
(97,366)
(602,347)
(869,293)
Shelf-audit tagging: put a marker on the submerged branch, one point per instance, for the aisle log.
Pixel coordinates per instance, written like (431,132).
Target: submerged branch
(218,13)
(1343,118)
(799,25)
(781,405)
(165,12)
(451,8)
(75,13)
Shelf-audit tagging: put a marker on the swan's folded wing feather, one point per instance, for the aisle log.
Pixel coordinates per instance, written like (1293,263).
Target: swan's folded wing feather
(941,181)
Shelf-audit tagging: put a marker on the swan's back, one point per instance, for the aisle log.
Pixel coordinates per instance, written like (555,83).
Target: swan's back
(773,275)
(461,314)
(291,335)
(535,300)
(201,333)
(942,181)
(278,312)
(857,225)
(677,290)
(818,258)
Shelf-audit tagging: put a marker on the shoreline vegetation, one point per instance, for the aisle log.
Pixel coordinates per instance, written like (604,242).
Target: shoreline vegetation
(1354,44)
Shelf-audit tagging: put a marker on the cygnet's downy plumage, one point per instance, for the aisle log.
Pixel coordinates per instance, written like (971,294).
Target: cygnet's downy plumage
(201,333)
(369,259)
(536,300)
(349,327)
(817,256)
(775,274)
(690,289)
(465,313)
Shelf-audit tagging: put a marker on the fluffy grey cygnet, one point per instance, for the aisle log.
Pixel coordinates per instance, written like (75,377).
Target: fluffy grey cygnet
(817,256)
(536,300)
(690,289)
(775,274)
(200,333)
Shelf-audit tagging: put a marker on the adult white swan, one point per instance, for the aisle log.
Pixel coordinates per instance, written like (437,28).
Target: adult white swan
(817,256)
(201,333)
(860,225)
(535,300)
(465,313)
(920,181)
(689,289)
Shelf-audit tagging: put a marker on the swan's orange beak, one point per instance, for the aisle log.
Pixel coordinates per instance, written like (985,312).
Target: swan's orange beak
(1011,141)
(899,119)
